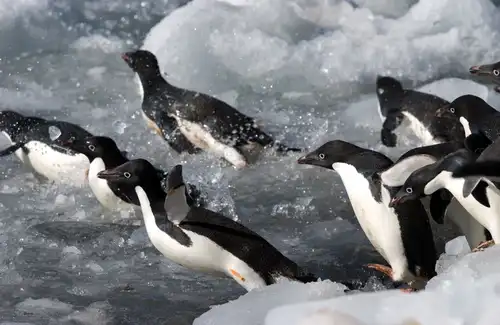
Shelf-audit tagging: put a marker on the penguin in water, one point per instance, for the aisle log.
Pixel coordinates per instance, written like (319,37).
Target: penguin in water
(483,204)
(103,154)
(396,105)
(40,144)
(401,235)
(443,206)
(490,71)
(203,240)
(207,122)
(470,109)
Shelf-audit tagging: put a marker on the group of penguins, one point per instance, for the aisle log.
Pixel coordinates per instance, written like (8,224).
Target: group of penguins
(454,177)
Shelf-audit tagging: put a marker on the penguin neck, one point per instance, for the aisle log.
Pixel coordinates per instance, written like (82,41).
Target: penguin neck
(156,195)
(147,211)
(176,204)
(153,81)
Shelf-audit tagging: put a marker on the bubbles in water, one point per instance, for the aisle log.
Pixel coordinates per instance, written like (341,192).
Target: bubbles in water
(119,127)
(54,132)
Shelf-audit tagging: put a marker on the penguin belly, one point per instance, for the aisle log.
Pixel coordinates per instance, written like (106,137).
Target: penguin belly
(54,165)
(202,139)
(206,256)
(378,221)
(420,130)
(101,189)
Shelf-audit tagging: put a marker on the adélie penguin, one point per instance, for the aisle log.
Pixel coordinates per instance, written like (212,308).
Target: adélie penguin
(473,110)
(481,204)
(40,144)
(490,70)
(203,240)
(402,235)
(205,121)
(418,109)
(105,176)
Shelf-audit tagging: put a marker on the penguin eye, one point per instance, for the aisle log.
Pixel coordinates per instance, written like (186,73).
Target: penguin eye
(321,156)
(452,110)
(496,73)
(409,190)
(127,174)
(91,147)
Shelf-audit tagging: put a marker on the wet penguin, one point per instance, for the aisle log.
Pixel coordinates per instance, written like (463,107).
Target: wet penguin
(482,204)
(40,144)
(402,235)
(398,105)
(205,121)
(104,154)
(472,110)
(203,240)
(490,71)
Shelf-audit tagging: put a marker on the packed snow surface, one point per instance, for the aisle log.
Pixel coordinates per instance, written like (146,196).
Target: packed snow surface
(305,69)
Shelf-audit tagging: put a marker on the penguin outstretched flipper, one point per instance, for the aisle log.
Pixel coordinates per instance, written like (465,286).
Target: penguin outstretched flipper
(11,149)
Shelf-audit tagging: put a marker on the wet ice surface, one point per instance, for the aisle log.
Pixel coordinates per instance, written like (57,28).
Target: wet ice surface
(301,73)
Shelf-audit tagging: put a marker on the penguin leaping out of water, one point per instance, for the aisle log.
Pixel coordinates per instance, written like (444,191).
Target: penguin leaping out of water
(402,235)
(491,71)
(483,204)
(397,105)
(473,112)
(41,146)
(203,240)
(205,121)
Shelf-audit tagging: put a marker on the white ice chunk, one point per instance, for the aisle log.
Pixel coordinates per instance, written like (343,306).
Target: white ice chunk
(54,132)
(119,126)
(251,308)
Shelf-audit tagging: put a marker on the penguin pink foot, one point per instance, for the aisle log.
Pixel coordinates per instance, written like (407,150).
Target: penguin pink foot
(388,271)
(485,244)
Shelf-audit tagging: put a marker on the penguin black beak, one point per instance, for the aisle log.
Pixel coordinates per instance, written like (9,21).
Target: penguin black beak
(442,111)
(304,160)
(110,175)
(481,70)
(127,58)
(397,200)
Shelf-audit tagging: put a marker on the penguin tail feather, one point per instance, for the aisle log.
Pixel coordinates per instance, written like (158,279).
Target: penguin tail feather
(11,149)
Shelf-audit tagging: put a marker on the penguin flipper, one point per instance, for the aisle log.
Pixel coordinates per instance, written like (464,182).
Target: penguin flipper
(438,205)
(489,171)
(392,121)
(176,140)
(11,149)
(477,141)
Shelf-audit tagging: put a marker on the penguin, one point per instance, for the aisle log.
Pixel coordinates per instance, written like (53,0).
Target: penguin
(396,104)
(103,154)
(203,240)
(40,145)
(470,109)
(490,71)
(205,121)
(401,235)
(483,204)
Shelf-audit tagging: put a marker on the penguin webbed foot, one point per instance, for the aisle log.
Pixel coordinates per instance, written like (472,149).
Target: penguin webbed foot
(481,247)
(389,139)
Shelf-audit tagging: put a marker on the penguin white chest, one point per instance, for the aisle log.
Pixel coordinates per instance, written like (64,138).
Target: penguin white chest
(201,138)
(420,130)
(378,221)
(101,189)
(52,164)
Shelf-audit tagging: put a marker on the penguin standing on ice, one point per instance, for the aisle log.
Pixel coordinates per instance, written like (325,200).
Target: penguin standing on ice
(41,146)
(205,121)
(397,104)
(473,112)
(490,71)
(204,240)
(103,154)
(401,235)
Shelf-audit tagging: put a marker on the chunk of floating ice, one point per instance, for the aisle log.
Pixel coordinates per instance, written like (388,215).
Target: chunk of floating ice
(54,132)
(44,306)
(94,314)
(119,127)
(251,308)
(457,246)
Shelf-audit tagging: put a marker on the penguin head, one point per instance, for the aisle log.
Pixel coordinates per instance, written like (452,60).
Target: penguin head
(10,120)
(141,61)
(93,147)
(329,153)
(491,71)
(137,172)
(413,188)
(466,106)
(387,86)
